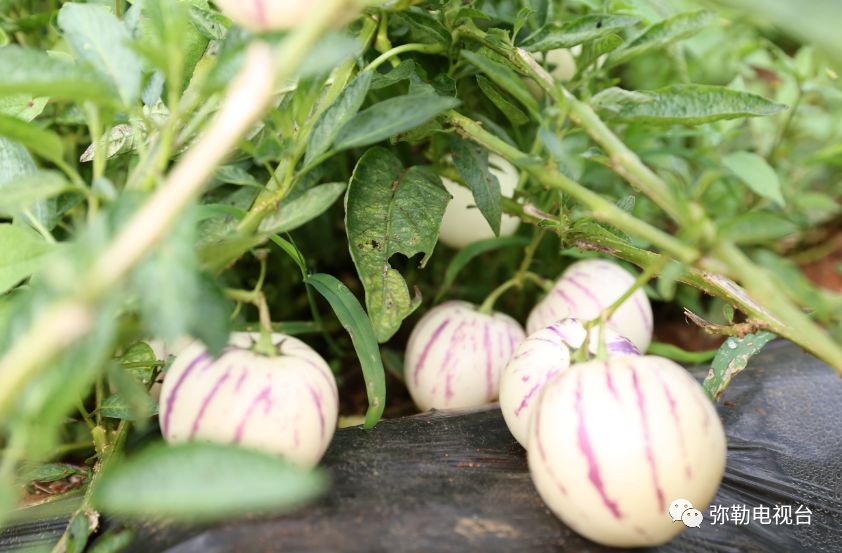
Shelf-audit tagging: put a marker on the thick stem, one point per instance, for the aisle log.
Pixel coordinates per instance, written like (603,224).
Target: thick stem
(602,209)
(759,284)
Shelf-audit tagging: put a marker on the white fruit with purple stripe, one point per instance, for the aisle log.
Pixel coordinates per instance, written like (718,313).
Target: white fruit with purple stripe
(585,289)
(286,405)
(613,443)
(540,357)
(455,356)
(463,223)
(271,15)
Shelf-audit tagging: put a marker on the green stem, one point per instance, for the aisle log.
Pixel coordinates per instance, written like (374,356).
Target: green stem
(275,191)
(548,175)
(488,305)
(517,280)
(107,457)
(85,415)
(682,356)
(759,284)
(648,274)
(403,48)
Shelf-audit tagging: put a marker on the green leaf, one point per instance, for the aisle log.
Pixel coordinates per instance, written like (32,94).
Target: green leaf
(115,407)
(577,31)
(166,283)
(509,109)
(22,193)
(471,160)
(49,472)
(756,173)
(592,51)
(139,360)
(22,106)
(337,115)
(303,208)
(661,34)
(731,359)
(505,78)
(34,72)
(203,482)
(352,317)
(21,253)
(293,252)
(391,117)
(119,140)
(44,143)
(757,227)
(424,27)
(99,38)
(469,252)
(690,104)
(390,210)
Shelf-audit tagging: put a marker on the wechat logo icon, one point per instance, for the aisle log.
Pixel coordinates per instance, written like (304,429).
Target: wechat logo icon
(682,510)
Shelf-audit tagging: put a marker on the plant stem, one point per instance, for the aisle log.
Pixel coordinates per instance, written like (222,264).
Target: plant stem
(107,456)
(403,48)
(516,281)
(759,284)
(548,175)
(648,274)
(682,356)
(66,321)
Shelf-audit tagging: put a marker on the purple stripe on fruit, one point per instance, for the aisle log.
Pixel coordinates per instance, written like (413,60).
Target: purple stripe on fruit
(584,441)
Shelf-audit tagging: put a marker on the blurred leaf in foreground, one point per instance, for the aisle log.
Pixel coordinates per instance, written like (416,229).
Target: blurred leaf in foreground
(200,481)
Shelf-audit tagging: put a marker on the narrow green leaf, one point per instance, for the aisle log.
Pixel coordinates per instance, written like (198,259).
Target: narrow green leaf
(303,208)
(661,34)
(391,117)
(21,253)
(34,72)
(331,121)
(203,482)
(578,31)
(390,210)
(44,143)
(352,317)
(505,78)
(22,193)
(509,109)
(469,252)
(471,160)
(731,359)
(99,38)
(690,104)
(293,252)
(756,173)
